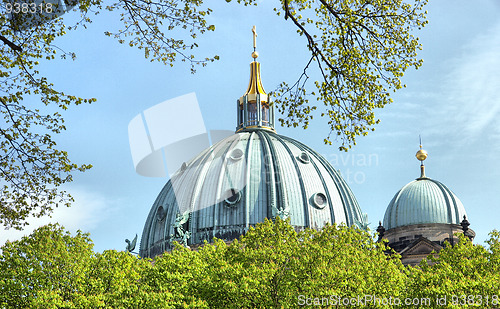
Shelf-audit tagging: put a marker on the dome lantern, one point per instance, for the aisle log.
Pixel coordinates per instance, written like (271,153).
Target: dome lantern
(255,110)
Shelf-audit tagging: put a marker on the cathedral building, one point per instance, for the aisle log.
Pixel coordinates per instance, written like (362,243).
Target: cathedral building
(256,174)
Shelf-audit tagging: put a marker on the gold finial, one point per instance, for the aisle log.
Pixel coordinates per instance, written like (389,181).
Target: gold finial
(255,54)
(421,156)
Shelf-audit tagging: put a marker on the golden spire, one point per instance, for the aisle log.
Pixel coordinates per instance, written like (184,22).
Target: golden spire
(421,156)
(255,110)
(255,86)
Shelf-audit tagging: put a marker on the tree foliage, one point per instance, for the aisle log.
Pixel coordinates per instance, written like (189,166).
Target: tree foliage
(362,49)
(52,269)
(272,266)
(461,276)
(32,167)
(48,267)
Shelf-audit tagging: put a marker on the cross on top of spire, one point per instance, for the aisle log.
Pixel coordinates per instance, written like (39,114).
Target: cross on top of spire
(255,54)
(254,30)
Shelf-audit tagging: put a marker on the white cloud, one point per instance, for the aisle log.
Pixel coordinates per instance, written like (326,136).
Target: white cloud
(456,106)
(86,213)
(472,101)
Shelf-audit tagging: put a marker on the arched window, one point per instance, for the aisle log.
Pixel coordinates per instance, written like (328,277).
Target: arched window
(265,114)
(252,113)
(240,115)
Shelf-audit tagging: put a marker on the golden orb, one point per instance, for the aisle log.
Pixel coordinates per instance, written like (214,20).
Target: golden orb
(421,155)
(255,54)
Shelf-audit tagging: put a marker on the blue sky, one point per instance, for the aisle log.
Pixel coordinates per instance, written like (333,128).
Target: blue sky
(452,101)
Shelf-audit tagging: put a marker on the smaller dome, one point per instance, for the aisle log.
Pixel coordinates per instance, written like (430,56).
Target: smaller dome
(423,201)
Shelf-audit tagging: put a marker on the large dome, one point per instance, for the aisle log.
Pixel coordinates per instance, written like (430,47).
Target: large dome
(240,181)
(423,200)
(245,178)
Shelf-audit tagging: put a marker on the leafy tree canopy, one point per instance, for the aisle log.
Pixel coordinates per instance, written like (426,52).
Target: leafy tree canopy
(460,276)
(362,49)
(32,168)
(269,267)
(272,266)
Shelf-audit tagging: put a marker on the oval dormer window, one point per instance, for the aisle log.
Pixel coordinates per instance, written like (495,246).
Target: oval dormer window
(236,154)
(183,167)
(160,214)
(319,200)
(233,197)
(304,157)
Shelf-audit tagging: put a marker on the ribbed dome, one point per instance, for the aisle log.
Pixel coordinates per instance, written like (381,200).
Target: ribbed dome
(423,201)
(245,178)
(240,181)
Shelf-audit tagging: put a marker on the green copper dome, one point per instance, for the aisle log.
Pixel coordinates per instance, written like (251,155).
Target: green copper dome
(239,182)
(423,201)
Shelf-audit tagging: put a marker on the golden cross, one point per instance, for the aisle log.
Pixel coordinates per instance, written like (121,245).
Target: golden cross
(254,30)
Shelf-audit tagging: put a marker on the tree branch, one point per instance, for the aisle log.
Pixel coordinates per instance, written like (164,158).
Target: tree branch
(10,44)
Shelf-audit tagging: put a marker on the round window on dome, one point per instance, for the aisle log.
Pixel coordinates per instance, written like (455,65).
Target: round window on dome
(319,200)
(183,167)
(304,157)
(236,154)
(233,198)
